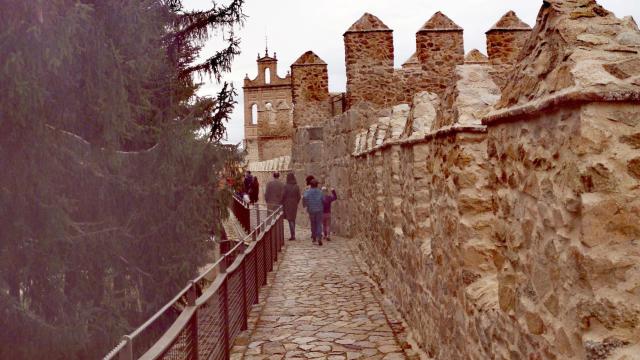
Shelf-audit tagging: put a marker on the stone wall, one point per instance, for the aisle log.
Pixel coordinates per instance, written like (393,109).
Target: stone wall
(271,148)
(499,212)
(513,240)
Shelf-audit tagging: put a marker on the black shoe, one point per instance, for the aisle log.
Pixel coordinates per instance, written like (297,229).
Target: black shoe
(327,238)
(320,242)
(291,239)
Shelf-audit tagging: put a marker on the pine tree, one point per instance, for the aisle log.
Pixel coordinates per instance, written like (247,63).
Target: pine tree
(107,196)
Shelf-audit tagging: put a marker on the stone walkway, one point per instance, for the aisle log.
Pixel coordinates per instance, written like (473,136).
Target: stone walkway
(319,305)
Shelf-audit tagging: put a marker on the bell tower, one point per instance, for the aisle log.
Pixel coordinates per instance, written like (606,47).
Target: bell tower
(268,111)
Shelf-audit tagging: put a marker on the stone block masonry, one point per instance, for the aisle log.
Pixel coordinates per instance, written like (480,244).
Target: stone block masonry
(495,199)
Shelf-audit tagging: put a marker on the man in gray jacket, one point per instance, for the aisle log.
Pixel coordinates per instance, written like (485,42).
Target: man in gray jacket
(274,191)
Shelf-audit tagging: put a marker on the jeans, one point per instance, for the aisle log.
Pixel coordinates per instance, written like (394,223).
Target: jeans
(292,228)
(326,223)
(316,225)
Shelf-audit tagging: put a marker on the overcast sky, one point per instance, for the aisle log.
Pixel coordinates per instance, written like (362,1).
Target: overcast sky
(295,26)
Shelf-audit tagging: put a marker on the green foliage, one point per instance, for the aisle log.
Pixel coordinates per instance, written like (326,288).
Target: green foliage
(107,197)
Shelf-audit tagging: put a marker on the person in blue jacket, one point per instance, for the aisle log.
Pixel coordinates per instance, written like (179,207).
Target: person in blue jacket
(312,200)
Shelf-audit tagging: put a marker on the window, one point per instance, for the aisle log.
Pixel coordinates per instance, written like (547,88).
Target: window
(269,113)
(315,133)
(267,76)
(254,114)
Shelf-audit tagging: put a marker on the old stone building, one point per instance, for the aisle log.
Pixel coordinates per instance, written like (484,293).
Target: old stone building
(495,198)
(268,112)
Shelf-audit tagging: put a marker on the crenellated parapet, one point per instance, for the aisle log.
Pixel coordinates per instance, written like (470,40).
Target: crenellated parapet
(310,90)
(368,47)
(506,38)
(439,48)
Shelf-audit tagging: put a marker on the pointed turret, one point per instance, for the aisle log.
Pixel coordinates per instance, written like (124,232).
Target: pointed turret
(309,58)
(310,90)
(505,39)
(475,57)
(439,48)
(368,22)
(368,46)
(411,62)
(440,22)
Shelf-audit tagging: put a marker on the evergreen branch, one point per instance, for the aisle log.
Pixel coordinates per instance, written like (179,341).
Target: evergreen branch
(195,25)
(217,64)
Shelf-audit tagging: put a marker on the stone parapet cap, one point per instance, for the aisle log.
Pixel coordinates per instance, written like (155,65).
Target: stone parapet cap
(309,59)
(426,138)
(569,96)
(508,29)
(509,22)
(366,31)
(368,23)
(301,65)
(422,31)
(439,22)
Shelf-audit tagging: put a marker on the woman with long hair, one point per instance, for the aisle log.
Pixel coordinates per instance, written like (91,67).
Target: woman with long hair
(290,199)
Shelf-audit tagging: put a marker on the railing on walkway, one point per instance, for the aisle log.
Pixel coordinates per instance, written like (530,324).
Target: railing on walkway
(242,212)
(214,306)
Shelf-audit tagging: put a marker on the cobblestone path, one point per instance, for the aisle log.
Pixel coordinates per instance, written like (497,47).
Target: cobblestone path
(319,305)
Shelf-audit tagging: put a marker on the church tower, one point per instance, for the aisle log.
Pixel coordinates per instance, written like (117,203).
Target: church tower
(268,111)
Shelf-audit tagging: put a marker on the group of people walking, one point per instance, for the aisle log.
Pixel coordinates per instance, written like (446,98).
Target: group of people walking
(316,201)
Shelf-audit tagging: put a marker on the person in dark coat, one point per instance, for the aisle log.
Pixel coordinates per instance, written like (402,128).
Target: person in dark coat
(254,190)
(327,199)
(290,200)
(273,192)
(248,179)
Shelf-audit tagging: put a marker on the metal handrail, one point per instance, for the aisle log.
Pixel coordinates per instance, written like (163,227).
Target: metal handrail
(124,349)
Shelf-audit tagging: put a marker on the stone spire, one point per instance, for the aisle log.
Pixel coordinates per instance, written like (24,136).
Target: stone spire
(510,21)
(411,61)
(368,22)
(309,58)
(368,49)
(506,38)
(440,48)
(440,22)
(475,57)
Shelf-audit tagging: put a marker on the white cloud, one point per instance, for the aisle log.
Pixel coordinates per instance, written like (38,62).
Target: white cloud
(295,26)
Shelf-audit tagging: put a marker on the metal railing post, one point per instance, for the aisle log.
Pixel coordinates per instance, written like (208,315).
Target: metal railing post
(257,215)
(192,295)
(255,269)
(264,261)
(225,318)
(280,232)
(127,352)
(274,244)
(244,292)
